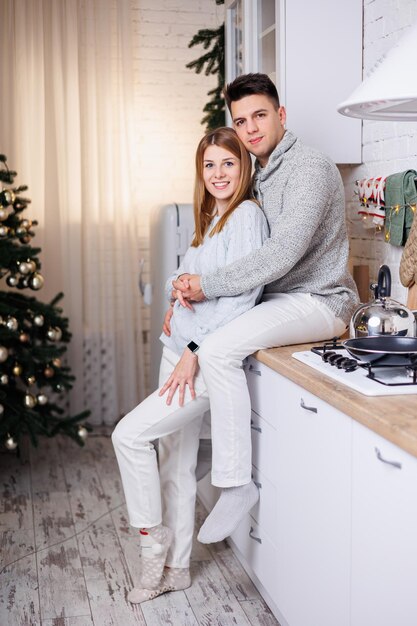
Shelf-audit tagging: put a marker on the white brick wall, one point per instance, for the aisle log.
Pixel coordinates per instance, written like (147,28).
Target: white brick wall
(169,101)
(388,147)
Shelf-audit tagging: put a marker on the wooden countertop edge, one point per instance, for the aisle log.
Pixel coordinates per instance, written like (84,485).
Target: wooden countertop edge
(391,417)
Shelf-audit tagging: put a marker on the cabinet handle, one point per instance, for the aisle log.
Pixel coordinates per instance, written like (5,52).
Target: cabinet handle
(252,536)
(379,456)
(308,408)
(257,428)
(254,370)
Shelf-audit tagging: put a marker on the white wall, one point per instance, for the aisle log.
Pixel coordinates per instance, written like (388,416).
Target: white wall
(169,101)
(388,147)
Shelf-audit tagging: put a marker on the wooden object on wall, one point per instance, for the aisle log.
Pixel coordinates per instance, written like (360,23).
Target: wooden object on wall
(412,297)
(361,278)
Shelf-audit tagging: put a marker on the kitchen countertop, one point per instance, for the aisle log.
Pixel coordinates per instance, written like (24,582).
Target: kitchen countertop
(392,417)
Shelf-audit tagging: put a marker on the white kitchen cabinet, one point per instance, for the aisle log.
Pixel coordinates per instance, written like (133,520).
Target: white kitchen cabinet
(384,532)
(333,539)
(309,470)
(313,52)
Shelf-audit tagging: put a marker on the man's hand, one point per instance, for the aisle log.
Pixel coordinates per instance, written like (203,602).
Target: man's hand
(167,321)
(189,286)
(183,374)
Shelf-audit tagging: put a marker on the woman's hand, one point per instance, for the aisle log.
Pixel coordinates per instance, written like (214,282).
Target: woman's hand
(167,321)
(183,375)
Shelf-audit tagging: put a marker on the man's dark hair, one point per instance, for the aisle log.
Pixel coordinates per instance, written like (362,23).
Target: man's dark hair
(249,85)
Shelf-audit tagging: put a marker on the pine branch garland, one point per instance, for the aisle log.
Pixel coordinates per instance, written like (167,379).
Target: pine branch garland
(212,62)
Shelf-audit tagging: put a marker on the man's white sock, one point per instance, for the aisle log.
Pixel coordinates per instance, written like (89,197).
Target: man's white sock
(232,506)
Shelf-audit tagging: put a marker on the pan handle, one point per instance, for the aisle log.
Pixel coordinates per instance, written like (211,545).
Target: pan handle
(384,282)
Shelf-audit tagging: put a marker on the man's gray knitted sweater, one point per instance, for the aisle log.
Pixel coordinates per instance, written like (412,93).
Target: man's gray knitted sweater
(302,195)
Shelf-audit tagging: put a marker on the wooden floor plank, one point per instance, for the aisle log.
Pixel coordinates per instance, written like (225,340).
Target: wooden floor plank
(110,606)
(211,597)
(15,494)
(242,586)
(85,493)
(81,620)
(19,599)
(61,581)
(47,474)
(259,613)
(108,470)
(129,542)
(169,609)
(14,545)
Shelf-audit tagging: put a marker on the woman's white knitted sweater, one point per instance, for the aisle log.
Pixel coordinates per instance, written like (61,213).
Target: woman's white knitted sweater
(245,231)
(302,195)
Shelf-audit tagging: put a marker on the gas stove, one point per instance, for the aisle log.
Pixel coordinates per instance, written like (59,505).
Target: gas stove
(334,361)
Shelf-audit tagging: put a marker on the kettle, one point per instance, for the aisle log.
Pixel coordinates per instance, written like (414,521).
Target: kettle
(383,316)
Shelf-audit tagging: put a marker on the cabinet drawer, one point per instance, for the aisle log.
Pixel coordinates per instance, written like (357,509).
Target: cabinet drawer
(265,511)
(263,389)
(258,552)
(263,446)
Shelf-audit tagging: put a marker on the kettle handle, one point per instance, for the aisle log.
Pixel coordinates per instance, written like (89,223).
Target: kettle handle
(384,282)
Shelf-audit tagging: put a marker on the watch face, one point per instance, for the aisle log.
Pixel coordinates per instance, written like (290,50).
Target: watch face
(193,346)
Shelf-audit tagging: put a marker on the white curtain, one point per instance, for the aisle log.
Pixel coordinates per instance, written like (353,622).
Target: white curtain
(67,127)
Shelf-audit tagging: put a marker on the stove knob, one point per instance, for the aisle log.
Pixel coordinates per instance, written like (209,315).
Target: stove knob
(336,358)
(351,366)
(326,355)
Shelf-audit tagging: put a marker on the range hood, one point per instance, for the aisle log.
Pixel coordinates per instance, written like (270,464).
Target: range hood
(389,92)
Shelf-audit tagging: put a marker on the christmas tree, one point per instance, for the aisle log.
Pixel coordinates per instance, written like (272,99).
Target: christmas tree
(33,376)
(213,61)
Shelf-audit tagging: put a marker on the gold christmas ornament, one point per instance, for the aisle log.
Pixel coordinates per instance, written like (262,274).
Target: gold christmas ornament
(25,239)
(31,380)
(12,323)
(26,223)
(20,231)
(25,268)
(42,398)
(36,281)
(54,334)
(12,280)
(4,353)
(10,443)
(82,432)
(48,372)
(56,362)
(4,379)
(4,214)
(24,337)
(17,369)
(3,231)
(29,401)
(39,320)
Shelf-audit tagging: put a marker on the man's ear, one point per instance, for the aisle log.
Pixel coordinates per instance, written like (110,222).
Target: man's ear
(282,115)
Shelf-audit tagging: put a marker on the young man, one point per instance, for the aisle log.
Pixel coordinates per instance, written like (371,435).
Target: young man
(309,294)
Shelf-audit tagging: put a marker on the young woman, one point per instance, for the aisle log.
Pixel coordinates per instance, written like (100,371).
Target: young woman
(228,225)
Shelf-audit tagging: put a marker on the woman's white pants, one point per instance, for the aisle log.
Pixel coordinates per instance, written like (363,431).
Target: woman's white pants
(169,495)
(284,320)
(166,495)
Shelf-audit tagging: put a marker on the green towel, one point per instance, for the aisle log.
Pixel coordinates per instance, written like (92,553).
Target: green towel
(400,189)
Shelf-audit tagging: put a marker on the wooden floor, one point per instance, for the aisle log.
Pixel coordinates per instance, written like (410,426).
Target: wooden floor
(69,557)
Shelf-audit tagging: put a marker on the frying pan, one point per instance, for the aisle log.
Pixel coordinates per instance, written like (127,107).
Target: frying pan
(386,350)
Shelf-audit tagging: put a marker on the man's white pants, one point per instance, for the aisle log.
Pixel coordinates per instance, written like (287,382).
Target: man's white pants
(166,495)
(284,320)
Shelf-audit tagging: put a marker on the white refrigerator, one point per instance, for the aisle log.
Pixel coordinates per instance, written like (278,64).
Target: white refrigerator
(172,228)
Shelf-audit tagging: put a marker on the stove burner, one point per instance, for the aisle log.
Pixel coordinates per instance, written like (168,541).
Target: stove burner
(380,373)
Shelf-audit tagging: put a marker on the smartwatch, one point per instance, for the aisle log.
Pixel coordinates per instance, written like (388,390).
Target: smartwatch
(193,346)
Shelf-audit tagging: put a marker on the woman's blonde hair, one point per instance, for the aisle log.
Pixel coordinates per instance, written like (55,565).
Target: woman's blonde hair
(204,202)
